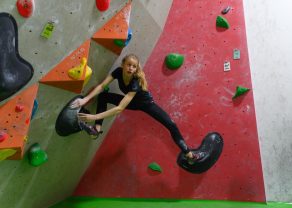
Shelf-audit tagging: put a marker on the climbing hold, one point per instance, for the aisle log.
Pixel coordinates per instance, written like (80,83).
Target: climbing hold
(211,148)
(240,91)
(27,121)
(3,136)
(36,155)
(154,166)
(174,60)
(222,22)
(226,10)
(130,34)
(34,109)
(6,153)
(15,72)
(67,122)
(122,43)
(76,73)
(19,108)
(88,74)
(25,7)
(48,30)
(102,5)
(106,88)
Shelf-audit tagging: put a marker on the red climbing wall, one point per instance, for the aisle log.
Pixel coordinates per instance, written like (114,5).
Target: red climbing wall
(198,97)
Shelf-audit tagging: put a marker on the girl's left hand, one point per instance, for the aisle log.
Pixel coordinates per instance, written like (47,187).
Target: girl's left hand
(86,117)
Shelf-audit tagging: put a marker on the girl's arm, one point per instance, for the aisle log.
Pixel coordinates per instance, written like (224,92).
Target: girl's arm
(111,112)
(98,89)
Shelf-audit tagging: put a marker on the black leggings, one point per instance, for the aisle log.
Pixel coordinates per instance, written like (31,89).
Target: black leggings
(150,108)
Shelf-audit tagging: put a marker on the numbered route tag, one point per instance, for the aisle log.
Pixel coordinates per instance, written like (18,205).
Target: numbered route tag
(48,30)
(236,54)
(227,66)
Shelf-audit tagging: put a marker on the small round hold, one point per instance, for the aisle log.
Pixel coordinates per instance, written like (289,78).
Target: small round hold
(102,5)
(174,61)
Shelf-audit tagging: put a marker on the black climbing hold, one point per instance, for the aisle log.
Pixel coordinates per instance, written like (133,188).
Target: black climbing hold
(67,121)
(226,10)
(15,72)
(211,147)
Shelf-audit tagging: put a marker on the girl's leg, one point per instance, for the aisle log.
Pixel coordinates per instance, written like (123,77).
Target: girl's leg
(161,116)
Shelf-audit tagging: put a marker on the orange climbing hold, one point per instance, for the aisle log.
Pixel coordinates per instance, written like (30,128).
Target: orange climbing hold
(13,126)
(59,77)
(115,28)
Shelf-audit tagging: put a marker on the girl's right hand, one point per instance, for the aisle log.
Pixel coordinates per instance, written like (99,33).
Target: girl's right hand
(78,103)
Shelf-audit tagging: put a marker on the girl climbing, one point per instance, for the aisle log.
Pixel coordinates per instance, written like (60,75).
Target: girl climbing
(133,84)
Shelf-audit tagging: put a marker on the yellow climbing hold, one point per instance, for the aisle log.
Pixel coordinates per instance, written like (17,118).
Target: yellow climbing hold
(5,153)
(88,74)
(77,71)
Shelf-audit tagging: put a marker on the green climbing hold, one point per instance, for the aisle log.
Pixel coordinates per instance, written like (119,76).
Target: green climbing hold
(106,88)
(240,91)
(222,22)
(120,43)
(48,30)
(37,156)
(5,153)
(154,166)
(174,60)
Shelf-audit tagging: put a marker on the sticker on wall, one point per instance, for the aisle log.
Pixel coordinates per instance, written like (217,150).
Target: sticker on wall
(15,72)
(236,54)
(116,28)
(227,66)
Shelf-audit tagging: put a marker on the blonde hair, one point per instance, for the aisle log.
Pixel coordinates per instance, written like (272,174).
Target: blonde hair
(139,74)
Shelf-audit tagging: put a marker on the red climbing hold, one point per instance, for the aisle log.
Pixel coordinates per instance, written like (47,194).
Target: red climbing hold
(25,7)
(19,108)
(27,121)
(3,136)
(102,5)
